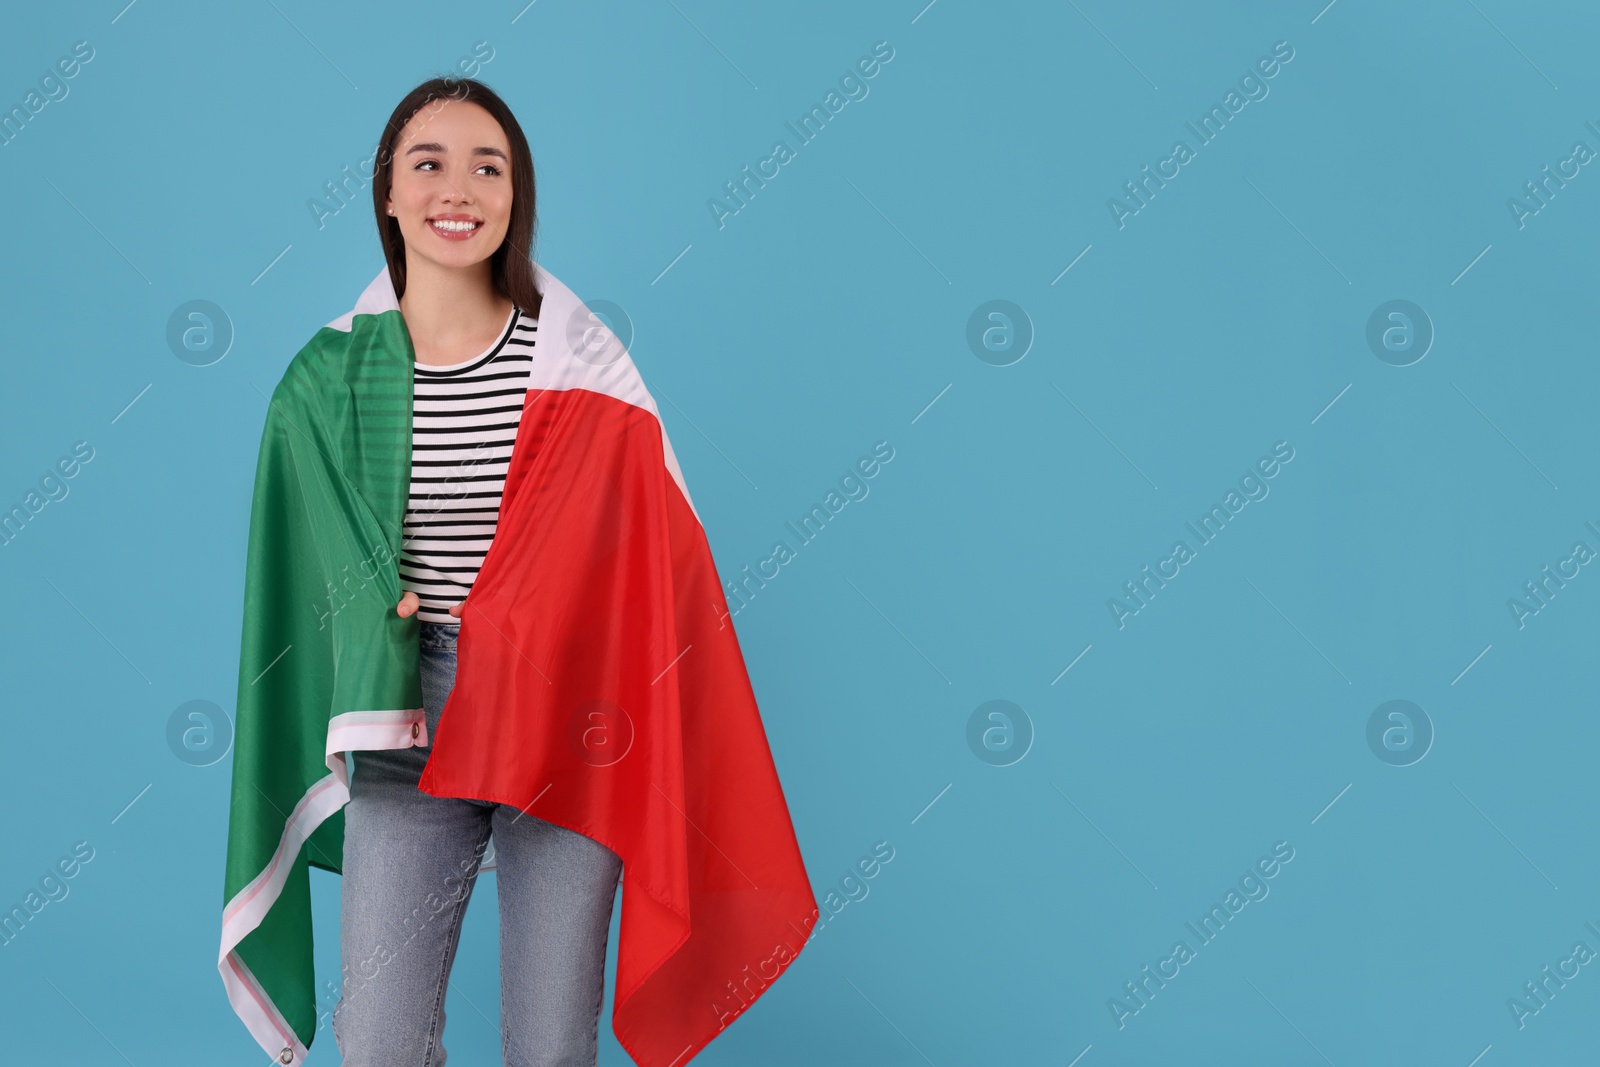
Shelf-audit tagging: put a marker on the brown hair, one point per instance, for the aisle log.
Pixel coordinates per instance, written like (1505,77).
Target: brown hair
(511,265)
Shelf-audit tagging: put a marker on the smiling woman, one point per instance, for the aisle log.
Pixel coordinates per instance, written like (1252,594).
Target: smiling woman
(525,553)
(449,195)
(456,225)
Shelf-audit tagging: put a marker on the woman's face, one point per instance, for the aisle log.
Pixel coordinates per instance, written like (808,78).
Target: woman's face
(451,189)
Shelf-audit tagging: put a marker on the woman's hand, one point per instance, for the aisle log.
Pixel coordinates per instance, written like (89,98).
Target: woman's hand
(409,604)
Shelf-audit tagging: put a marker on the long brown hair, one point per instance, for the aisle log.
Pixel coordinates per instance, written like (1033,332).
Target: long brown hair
(511,265)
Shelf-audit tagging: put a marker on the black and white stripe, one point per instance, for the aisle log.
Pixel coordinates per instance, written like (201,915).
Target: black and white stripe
(463,426)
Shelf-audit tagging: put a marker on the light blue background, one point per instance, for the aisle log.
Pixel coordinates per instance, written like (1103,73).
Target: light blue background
(826,316)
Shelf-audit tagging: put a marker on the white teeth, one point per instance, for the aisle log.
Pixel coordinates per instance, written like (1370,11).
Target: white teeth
(453,226)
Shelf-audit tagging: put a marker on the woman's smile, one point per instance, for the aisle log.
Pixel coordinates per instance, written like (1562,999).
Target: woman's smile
(455,227)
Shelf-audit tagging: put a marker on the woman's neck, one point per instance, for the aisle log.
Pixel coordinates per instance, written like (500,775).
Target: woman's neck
(451,314)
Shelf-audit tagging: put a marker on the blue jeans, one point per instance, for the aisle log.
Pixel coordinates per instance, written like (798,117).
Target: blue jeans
(410,863)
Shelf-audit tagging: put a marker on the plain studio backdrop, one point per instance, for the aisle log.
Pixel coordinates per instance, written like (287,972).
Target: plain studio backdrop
(1370,271)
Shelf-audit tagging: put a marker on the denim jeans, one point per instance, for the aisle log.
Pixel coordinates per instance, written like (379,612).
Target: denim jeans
(410,864)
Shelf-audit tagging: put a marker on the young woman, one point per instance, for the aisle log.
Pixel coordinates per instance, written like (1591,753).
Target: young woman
(454,195)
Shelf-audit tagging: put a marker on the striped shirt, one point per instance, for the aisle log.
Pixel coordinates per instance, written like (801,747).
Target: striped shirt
(463,425)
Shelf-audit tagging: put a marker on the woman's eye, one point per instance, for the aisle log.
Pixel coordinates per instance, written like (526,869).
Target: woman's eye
(433,163)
